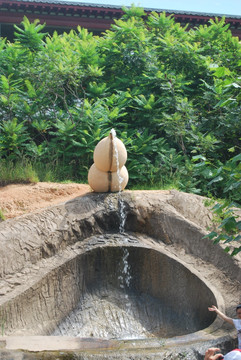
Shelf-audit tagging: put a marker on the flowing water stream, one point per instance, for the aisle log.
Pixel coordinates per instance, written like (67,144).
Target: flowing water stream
(125,277)
(121,205)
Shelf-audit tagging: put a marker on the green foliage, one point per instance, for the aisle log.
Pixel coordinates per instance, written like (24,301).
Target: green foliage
(2,217)
(230,227)
(13,138)
(17,172)
(30,37)
(229,231)
(172,94)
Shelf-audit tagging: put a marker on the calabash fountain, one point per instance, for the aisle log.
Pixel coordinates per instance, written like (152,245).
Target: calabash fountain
(108,173)
(74,286)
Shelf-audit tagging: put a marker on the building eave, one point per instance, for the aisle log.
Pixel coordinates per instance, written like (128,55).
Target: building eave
(69,14)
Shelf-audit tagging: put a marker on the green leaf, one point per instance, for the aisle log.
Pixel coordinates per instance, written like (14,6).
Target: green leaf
(216,179)
(236,158)
(31,91)
(228,224)
(211,235)
(4,99)
(222,71)
(236,251)
(4,83)
(198,157)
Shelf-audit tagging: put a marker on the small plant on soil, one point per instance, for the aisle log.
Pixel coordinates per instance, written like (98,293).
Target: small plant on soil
(2,217)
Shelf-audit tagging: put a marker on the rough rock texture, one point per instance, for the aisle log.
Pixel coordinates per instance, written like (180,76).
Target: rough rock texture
(40,252)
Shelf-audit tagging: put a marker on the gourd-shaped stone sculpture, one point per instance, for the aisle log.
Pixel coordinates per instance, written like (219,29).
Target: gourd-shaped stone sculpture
(108,173)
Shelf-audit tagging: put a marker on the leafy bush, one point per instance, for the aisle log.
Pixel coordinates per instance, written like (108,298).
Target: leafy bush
(17,172)
(172,94)
(230,227)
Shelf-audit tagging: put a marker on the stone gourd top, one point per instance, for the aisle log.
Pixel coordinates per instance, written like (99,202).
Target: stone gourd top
(108,173)
(105,158)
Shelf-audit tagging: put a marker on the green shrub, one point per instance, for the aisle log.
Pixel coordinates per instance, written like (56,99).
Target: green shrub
(171,94)
(16,172)
(2,217)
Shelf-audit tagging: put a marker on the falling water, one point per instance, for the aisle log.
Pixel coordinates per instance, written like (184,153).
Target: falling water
(125,277)
(121,204)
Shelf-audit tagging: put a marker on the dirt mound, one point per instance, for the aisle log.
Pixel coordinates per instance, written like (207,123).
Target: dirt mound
(19,199)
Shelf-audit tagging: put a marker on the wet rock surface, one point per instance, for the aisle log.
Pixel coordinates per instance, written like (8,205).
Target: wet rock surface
(131,291)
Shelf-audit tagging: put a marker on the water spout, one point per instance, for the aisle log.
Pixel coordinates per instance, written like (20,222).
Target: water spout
(113,133)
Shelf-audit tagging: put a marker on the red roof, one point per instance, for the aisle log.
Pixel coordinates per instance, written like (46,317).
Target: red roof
(68,14)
